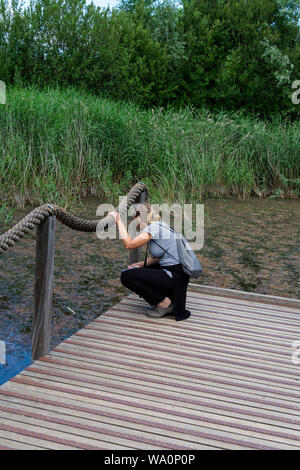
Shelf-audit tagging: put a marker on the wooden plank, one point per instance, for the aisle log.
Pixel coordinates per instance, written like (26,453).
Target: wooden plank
(179,362)
(192,349)
(217,318)
(222,380)
(117,318)
(164,381)
(28,444)
(212,336)
(182,433)
(219,326)
(96,435)
(43,287)
(111,429)
(230,356)
(188,363)
(229,440)
(113,322)
(142,407)
(67,401)
(56,433)
(142,401)
(118,364)
(209,311)
(110,326)
(233,293)
(205,307)
(157,422)
(199,310)
(28,440)
(263,308)
(181,397)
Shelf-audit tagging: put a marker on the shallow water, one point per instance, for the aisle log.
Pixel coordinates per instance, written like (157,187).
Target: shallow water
(250,245)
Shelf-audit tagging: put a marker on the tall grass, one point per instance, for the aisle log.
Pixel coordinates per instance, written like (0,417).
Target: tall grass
(56,146)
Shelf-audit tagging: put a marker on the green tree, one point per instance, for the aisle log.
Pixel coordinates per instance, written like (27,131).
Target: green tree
(228,63)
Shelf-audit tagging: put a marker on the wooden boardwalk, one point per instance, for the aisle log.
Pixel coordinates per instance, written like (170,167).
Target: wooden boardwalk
(224,379)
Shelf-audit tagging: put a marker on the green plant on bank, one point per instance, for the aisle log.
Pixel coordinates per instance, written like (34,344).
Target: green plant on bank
(62,145)
(6,214)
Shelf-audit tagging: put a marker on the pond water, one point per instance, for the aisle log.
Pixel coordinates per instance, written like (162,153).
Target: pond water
(250,245)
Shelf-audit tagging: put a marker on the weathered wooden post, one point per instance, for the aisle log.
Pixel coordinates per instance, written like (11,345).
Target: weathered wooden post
(135,255)
(43,288)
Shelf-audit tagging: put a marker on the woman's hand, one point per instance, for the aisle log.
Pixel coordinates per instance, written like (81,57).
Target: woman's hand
(115,215)
(127,241)
(136,265)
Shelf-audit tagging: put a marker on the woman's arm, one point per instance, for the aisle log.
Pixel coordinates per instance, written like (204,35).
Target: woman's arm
(128,242)
(151,261)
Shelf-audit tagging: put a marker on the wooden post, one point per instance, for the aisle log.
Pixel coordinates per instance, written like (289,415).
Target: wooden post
(135,255)
(43,288)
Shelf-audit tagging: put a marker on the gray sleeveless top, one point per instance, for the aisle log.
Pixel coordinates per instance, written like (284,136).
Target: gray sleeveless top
(165,237)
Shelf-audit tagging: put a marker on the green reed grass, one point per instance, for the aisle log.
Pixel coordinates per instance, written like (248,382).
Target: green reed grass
(59,145)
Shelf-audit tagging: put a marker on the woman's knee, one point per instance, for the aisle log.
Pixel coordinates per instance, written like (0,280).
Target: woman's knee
(124,278)
(127,276)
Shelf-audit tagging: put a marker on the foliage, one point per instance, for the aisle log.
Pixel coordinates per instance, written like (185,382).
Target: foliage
(58,145)
(226,54)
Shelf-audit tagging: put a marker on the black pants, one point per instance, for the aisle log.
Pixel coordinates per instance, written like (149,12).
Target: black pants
(151,283)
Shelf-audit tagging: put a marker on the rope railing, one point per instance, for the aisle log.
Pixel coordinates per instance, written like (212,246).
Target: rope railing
(43,219)
(38,215)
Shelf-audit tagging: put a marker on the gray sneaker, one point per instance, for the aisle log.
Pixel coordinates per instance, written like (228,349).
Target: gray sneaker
(159,312)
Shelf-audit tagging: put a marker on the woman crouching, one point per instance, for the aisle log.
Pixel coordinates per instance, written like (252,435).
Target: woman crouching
(162,282)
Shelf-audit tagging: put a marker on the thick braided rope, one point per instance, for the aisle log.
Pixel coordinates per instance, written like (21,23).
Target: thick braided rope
(38,215)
